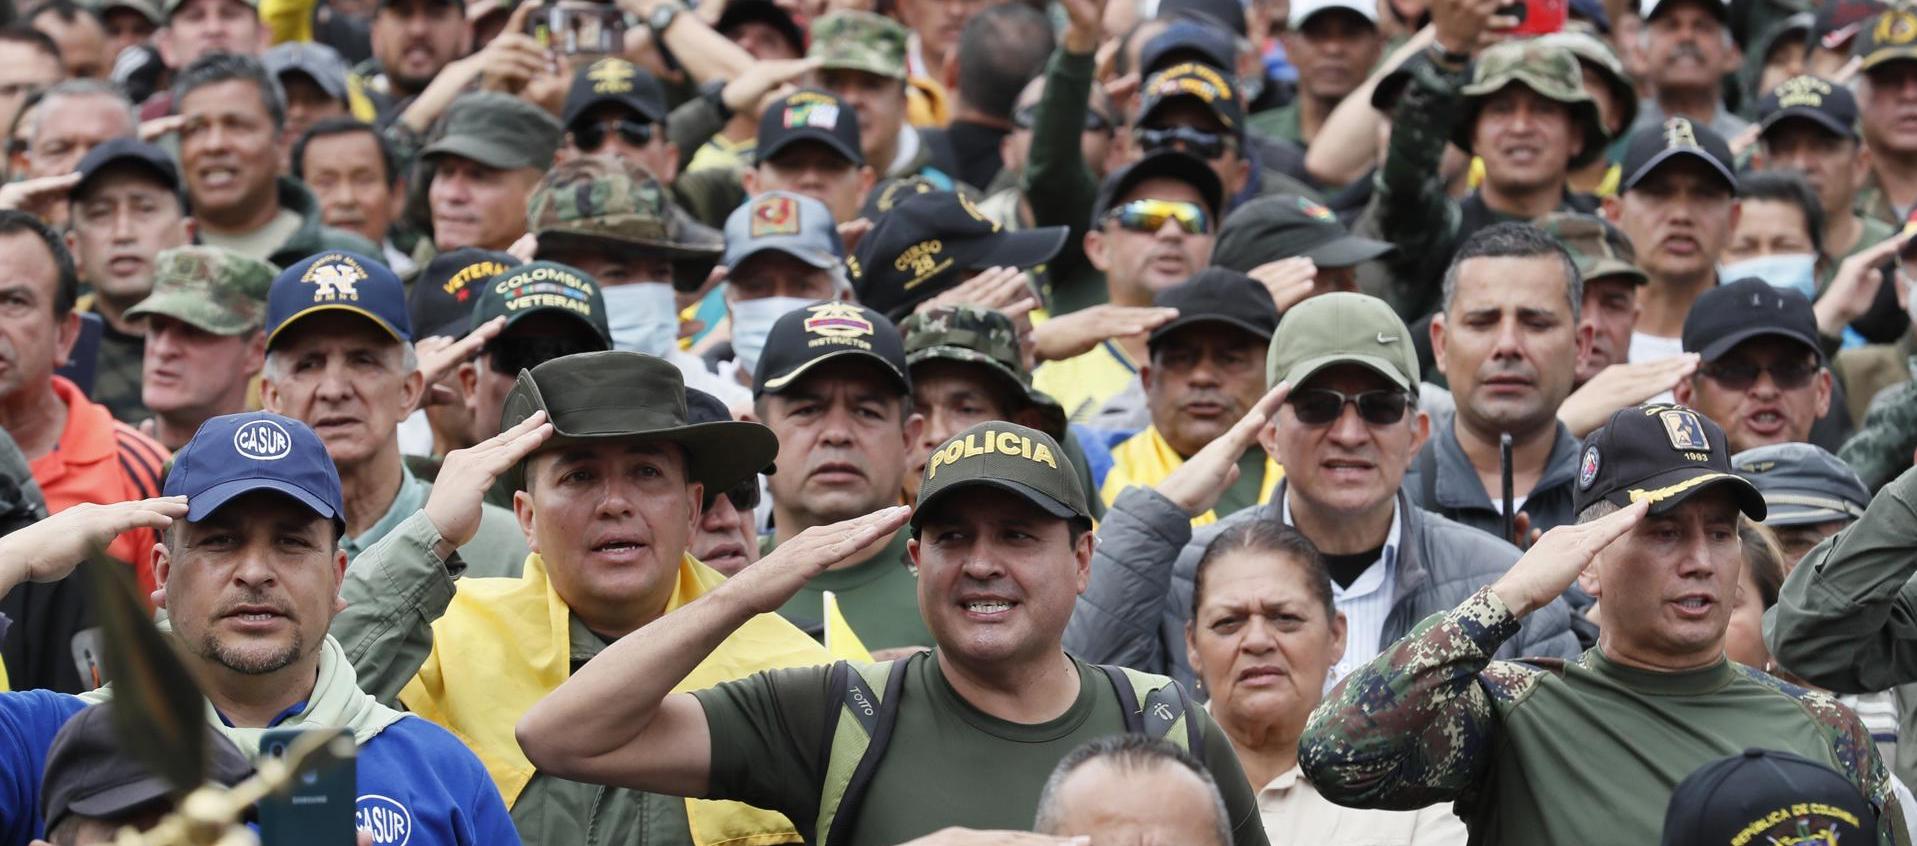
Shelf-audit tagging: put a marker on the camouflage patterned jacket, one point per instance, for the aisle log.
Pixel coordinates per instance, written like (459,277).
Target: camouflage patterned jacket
(1883,445)
(1546,751)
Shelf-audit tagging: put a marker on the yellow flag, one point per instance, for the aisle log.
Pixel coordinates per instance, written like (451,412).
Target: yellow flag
(4,686)
(840,640)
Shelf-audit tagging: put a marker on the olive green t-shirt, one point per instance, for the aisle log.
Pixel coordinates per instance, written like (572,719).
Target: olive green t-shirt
(947,764)
(879,598)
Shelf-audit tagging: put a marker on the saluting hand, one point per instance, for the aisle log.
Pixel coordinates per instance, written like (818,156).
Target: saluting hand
(1198,483)
(1555,561)
(460,490)
(767,584)
(49,550)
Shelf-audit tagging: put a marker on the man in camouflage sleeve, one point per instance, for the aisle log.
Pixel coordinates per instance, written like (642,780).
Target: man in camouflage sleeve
(1523,109)
(1555,752)
(617,222)
(1887,443)
(203,338)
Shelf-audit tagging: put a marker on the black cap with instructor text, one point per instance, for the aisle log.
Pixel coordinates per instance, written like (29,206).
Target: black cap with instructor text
(1016,459)
(807,337)
(1663,454)
(1728,315)
(1766,796)
(1653,146)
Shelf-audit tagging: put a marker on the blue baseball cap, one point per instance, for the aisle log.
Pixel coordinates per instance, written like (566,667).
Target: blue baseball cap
(338,280)
(235,454)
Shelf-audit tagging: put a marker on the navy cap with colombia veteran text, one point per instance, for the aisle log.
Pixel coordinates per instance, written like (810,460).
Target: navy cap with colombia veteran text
(1661,453)
(338,280)
(1016,459)
(809,336)
(236,454)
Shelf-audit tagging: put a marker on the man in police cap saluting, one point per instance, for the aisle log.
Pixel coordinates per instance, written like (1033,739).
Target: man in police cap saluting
(963,735)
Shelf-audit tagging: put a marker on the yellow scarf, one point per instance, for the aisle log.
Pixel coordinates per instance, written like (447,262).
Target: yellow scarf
(504,644)
(1146,459)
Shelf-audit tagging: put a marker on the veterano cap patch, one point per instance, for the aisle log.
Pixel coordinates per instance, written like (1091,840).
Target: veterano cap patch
(1011,458)
(1661,454)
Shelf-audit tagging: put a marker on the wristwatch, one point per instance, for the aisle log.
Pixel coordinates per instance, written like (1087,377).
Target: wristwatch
(662,16)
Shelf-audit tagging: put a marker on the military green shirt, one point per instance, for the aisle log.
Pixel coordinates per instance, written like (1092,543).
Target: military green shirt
(947,764)
(1545,752)
(879,598)
(1243,493)
(1846,617)
(1282,122)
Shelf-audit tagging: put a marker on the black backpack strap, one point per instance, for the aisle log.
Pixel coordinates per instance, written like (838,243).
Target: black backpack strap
(1428,477)
(1127,699)
(1162,709)
(880,728)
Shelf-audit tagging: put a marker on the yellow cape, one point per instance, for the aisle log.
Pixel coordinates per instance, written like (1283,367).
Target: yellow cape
(504,644)
(1146,459)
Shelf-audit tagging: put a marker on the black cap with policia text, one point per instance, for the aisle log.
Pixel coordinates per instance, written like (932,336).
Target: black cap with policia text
(1018,460)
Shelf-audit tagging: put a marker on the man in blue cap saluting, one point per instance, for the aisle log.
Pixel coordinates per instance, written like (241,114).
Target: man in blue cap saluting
(249,569)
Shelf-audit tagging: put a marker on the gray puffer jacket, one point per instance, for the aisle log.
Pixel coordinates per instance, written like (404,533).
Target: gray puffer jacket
(1134,612)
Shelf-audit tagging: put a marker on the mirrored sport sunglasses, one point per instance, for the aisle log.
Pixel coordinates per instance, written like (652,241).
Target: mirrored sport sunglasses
(1321,406)
(1150,216)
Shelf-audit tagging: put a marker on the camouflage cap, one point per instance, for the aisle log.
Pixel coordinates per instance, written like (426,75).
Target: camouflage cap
(1598,248)
(1551,71)
(211,288)
(1597,54)
(592,203)
(860,41)
(982,336)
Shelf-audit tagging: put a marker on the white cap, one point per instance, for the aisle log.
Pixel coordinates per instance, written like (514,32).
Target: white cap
(1720,8)
(1302,10)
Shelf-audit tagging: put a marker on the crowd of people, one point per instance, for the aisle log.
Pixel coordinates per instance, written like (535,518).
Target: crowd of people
(1362,422)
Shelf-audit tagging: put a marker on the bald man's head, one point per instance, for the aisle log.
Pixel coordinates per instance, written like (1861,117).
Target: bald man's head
(1133,790)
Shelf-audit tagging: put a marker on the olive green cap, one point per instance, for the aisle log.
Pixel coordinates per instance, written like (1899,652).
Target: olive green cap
(1551,71)
(1597,248)
(1341,328)
(1016,459)
(593,203)
(211,288)
(860,41)
(499,131)
(981,336)
(617,395)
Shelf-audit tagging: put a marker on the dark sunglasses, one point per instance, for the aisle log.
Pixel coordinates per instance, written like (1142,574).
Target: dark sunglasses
(591,136)
(745,495)
(1027,117)
(1197,142)
(1740,376)
(1321,407)
(508,356)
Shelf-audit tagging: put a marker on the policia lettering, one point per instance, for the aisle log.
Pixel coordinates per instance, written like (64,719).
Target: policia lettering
(991,442)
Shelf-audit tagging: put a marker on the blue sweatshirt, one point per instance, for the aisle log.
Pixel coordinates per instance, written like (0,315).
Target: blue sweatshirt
(418,785)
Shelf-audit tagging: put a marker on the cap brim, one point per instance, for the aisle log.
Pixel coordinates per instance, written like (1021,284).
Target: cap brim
(819,259)
(1054,422)
(522,314)
(1716,349)
(1181,322)
(202,505)
(1019,248)
(120,800)
(811,134)
(180,307)
(1046,502)
(719,454)
(1799,510)
(1663,156)
(1615,267)
(1308,368)
(1886,55)
(1667,490)
(1346,250)
(648,111)
(295,317)
(786,379)
(1824,121)
(496,156)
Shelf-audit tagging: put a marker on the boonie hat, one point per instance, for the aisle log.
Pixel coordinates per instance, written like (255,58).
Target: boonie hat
(338,280)
(236,454)
(1803,484)
(860,41)
(1550,71)
(592,204)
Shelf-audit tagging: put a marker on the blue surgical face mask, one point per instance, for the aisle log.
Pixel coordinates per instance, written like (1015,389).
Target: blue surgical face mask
(643,316)
(752,322)
(1796,271)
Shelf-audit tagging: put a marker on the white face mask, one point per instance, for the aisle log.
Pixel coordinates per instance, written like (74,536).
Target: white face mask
(1796,271)
(643,317)
(752,322)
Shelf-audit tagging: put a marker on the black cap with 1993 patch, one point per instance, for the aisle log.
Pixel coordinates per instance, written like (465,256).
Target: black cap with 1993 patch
(1663,454)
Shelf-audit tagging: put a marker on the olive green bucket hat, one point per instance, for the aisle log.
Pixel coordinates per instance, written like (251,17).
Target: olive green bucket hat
(617,395)
(1552,72)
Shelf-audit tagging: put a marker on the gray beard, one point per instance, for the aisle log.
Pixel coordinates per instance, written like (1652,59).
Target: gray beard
(246,664)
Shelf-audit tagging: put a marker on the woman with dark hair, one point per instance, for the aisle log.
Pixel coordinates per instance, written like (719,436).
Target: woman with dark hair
(1262,639)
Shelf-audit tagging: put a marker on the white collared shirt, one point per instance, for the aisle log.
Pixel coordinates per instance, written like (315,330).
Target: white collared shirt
(1293,812)
(1366,603)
